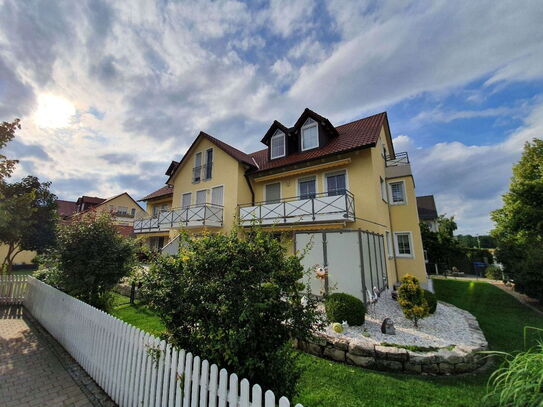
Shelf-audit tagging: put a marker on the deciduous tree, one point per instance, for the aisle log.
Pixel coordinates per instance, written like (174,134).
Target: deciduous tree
(7,133)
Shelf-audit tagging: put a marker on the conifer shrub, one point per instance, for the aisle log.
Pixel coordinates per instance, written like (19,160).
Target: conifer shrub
(344,307)
(411,299)
(431,300)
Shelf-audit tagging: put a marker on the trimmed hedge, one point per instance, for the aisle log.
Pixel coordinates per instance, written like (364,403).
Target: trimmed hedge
(344,307)
(431,300)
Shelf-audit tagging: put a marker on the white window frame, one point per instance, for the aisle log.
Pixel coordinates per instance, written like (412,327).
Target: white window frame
(384,189)
(396,248)
(305,179)
(309,123)
(266,190)
(190,200)
(196,197)
(278,134)
(331,174)
(211,194)
(391,197)
(390,248)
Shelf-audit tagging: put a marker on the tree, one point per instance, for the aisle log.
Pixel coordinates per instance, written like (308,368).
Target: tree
(90,257)
(412,299)
(7,133)
(441,246)
(519,223)
(27,217)
(236,301)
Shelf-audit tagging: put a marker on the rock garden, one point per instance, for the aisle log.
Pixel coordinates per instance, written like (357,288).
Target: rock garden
(400,330)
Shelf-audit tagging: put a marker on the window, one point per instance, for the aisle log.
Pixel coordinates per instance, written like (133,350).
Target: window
(307,188)
(335,184)
(186,200)
(133,211)
(397,193)
(402,241)
(122,210)
(209,163)
(383,190)
(217,195)
(310,135)
(278,145)
(390,250)
(273,193)
(197,170)
(201,197)
(156,210)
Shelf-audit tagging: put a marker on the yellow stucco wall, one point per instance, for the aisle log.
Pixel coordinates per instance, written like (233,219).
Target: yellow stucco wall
(158,203)
(122,200)
(25,257)
(227,172)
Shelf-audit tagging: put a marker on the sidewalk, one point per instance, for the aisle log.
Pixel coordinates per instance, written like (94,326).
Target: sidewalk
(36,371)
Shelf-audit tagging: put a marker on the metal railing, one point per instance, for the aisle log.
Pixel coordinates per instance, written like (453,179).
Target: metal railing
(397,159)
(318,207)
(207,214)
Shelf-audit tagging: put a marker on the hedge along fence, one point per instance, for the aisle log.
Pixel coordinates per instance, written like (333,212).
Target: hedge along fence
(133,367)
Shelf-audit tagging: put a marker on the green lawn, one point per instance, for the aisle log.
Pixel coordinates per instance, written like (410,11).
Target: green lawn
(326,383)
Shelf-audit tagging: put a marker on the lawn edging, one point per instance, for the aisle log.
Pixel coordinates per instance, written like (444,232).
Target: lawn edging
(370,354)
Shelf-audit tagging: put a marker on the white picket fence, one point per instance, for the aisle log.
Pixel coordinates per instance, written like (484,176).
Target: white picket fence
(133,367)
(12,289)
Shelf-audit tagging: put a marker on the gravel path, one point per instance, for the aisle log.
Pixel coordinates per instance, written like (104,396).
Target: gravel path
(447,326)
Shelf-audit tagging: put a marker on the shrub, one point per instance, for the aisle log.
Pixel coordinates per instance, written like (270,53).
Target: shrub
(431,300)
(344,307)
(493,272)
(518,381)
(411,299)
(237,302)
(88,260)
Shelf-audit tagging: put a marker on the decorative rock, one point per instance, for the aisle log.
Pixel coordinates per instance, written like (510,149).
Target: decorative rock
(399,354)
(432,368)
(413,368)
(362,361)
(446,368)
(339,343)
(387,327)
(422,358)
(314,349)
(389,365)
(334,354)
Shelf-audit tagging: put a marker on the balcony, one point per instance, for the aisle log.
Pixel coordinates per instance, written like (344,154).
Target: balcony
(209,215)
(320,208)
(397,165)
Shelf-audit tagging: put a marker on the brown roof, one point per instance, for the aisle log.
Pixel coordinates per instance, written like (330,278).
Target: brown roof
(164,191)
(234,152)
(90,199)
(125,230)
(351,136)
(66,208)
(426,205)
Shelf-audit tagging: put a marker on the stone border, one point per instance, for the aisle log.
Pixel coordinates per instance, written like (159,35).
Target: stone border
(370,354)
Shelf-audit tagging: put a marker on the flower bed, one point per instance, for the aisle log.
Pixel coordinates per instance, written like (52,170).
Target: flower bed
(446,342)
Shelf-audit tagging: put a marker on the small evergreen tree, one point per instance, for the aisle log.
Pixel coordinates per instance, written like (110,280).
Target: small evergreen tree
(89,259)
(412,300)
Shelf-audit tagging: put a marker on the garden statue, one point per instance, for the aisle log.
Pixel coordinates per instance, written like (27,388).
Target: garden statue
(387,327)
(322,274)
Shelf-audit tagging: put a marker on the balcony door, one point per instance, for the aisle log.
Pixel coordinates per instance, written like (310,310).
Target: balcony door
(335,184)
(308,188)
(201,197)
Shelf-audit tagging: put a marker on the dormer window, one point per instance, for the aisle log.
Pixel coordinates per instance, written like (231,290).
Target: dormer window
(277,145)
(310,135)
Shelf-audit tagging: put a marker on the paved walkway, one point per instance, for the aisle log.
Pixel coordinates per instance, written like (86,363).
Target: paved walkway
(36,371)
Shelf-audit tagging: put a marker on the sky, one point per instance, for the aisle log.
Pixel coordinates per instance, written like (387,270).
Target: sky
(109,92)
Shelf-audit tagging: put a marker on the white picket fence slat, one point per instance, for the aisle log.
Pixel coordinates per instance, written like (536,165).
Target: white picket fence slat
(133,367)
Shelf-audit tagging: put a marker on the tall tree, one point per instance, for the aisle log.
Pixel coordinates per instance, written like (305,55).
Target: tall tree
(519,223)
(441,246)
(7,133)
(27,217)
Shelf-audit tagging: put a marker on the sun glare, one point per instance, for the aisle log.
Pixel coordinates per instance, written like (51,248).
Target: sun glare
(53,112)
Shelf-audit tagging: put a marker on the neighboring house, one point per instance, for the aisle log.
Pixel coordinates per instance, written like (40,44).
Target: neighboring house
(123,208)
(426,207)
(340,192)
(65,209)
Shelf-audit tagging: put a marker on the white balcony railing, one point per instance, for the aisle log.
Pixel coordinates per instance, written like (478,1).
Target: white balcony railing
(319,208)
(210,215)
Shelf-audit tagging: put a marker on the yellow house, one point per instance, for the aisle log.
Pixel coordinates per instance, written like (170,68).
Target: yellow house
(123,208)
(341,193)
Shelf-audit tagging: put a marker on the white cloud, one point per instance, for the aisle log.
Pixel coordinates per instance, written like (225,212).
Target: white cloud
(287,17)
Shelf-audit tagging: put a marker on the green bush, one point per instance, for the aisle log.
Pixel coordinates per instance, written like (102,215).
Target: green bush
(493,272)
(344,307)
(237,302)
(411,299)
(518,381)
(90,257)
(431,300)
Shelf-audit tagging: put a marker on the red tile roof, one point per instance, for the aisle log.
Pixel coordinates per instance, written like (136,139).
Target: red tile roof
(234,152)
(66,208)
(351,136)
(164,191)
(90,199)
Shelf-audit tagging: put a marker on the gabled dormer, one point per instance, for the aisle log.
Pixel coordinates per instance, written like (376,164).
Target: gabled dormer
(311,131)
